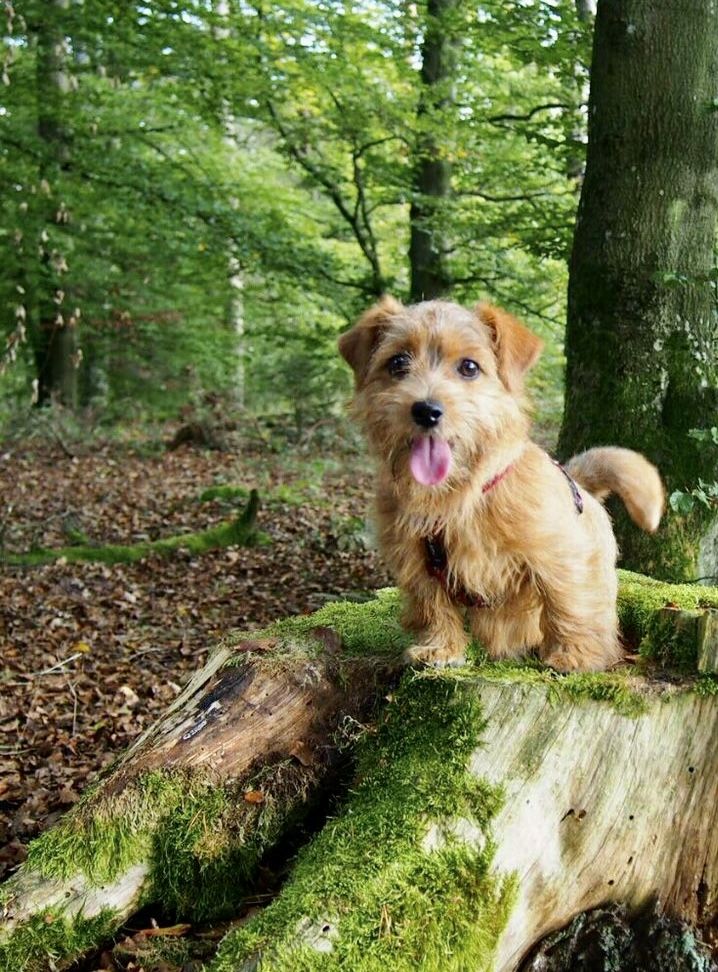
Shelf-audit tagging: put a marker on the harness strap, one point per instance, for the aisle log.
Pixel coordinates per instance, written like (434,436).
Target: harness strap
(575,491)
(437,564)
(437,559)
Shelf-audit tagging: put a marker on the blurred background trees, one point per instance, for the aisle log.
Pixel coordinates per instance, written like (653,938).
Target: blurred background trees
(197,197)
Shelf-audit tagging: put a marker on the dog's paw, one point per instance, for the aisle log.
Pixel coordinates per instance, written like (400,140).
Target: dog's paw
(573,660)
(433,656)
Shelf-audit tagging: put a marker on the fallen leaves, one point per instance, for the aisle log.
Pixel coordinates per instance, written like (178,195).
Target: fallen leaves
(253,796)
(91,654)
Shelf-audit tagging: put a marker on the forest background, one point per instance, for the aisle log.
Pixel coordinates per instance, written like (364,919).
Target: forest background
(198,197)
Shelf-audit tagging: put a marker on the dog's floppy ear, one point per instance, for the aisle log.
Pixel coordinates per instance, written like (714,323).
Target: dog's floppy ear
(516,348)
(357,344)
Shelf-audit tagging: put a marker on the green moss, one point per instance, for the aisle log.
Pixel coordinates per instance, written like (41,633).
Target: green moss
(227,494)
(369,628)
(620,689)
(706,685)
(367,888)
(237,532)
(102,842)
(282,494)
(659,635)
(203,841)
(49,938)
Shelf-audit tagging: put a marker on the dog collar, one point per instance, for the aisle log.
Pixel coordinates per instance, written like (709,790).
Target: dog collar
(495,480)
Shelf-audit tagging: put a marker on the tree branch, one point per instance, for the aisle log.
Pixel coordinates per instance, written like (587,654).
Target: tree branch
(508,116)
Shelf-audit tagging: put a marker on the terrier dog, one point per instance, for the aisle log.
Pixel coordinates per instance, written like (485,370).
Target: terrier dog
(474,519)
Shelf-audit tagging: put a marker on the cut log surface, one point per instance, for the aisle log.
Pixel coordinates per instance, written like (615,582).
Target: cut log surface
(600,807)
(595,805)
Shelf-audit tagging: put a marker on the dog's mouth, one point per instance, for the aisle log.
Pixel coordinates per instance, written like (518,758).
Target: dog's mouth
(430,460)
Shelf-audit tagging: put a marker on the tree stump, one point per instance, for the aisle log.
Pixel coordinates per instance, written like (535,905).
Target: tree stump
(489,806)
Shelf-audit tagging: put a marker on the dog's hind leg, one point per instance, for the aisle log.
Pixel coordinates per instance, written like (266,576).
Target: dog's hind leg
(580,629)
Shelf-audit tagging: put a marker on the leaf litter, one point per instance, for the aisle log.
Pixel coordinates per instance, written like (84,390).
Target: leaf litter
(92,653)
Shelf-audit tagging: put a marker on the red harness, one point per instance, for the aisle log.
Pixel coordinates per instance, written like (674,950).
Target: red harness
(437,559)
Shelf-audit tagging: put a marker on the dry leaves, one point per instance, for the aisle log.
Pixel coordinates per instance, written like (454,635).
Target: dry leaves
(92,653)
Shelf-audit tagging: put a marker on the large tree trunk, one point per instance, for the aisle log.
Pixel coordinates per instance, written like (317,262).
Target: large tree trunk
(489,805)
(642,333)
(54,331)
(432,173)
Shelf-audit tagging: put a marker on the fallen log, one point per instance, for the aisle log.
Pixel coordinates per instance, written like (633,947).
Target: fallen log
(240,531)
(435,851)
(184,817)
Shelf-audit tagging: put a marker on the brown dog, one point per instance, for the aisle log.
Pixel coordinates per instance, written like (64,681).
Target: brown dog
(474,518)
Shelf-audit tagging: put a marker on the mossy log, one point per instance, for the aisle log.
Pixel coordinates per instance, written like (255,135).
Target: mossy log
(492,808)
(240,531)
(184,817)
(489,806)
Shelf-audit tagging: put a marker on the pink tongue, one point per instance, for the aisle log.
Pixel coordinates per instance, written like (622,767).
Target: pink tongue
(430,460)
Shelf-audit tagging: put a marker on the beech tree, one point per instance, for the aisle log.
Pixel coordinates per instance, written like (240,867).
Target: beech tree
(642,333)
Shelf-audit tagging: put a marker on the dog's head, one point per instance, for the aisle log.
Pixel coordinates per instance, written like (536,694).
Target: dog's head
(438,386)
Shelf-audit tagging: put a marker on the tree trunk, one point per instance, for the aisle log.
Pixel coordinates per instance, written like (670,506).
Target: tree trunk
(489,804)
(642,332)
(586,10)
(432,177)
(55,329)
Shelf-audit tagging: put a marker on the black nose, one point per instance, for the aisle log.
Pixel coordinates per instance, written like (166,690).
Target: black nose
(426,414)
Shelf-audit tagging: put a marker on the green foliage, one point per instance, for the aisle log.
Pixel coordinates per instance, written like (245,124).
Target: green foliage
(705,493)
(221,190)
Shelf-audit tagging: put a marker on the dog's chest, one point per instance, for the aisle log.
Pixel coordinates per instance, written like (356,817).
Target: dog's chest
(467,554)
(480,564)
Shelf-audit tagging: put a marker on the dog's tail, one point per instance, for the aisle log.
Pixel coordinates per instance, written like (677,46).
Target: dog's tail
(626,473)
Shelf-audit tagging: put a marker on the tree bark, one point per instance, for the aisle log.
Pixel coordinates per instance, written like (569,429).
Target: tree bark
(55,329)
(429,271)
(233,767)
(642,331)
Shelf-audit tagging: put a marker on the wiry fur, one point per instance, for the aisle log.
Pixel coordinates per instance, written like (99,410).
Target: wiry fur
(547,572)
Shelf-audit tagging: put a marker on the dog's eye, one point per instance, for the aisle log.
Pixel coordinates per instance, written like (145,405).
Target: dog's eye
(468,368)
(398,365)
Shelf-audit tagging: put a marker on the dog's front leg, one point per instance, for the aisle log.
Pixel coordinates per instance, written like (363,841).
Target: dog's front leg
(439,626)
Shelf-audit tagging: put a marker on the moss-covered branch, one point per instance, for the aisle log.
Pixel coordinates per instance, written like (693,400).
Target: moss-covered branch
(240,531)
(187,814)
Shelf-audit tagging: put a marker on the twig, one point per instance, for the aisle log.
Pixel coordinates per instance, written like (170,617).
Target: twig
(60,665)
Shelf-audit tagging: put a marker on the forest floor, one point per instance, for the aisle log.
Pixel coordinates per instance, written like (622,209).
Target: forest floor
(92,652)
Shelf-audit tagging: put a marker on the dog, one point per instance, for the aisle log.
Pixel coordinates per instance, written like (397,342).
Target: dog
(476,521)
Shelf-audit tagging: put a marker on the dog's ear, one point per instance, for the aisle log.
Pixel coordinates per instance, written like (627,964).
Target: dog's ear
(516,348)
(357,344)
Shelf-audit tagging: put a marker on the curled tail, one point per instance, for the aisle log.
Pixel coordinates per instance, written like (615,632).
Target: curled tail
(626,473)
